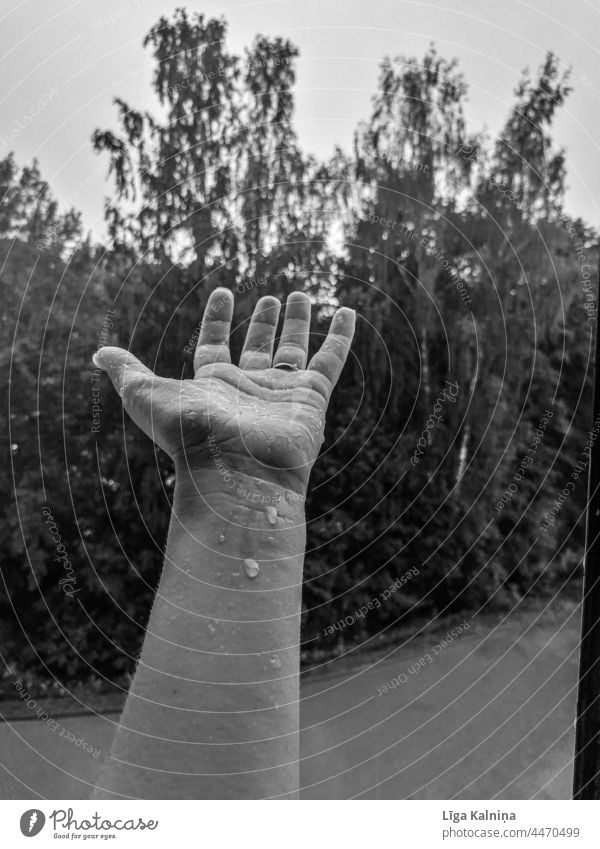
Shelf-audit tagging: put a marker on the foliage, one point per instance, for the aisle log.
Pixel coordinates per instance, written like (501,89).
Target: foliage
(469,282)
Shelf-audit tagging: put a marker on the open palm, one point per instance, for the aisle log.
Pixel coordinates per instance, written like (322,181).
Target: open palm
(269,410)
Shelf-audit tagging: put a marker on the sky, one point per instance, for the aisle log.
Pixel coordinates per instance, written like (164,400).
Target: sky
(63,61)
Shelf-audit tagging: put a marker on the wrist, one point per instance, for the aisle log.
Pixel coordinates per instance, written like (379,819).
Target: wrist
(220,663)
(226,532)
(220,467)
(250,493)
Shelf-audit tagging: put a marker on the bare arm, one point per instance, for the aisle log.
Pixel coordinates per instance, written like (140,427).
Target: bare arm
(213,707)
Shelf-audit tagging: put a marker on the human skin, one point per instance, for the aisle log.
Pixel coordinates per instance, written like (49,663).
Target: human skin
(213,710)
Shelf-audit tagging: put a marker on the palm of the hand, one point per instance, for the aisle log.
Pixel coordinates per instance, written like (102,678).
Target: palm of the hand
(255,413)
(274,417)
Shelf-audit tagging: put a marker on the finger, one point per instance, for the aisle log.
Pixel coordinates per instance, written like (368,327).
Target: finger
(329,360)
(132,380)
(293,344)
(143,393)
(213,342)
(122,367)
(258,347)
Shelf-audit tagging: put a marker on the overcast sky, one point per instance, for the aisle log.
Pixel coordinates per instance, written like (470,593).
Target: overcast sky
(74,57)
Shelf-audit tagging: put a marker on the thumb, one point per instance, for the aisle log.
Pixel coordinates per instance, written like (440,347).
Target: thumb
(122,367)
(133,381)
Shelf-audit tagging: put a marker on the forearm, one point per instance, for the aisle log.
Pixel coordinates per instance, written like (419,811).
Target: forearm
(213,707)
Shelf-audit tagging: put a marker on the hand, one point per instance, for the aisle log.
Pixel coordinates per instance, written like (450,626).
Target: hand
(266,416)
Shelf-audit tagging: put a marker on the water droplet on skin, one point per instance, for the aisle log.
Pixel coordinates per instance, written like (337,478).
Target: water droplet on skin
(271,515)
(222,538)
(251,568)
(275,662)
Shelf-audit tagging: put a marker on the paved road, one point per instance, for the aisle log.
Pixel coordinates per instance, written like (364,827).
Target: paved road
(488,716)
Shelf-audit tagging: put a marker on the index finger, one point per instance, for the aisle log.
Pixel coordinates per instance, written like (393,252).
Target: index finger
(331,356)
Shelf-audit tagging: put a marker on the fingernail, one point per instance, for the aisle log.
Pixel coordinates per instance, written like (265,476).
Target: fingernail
(96,361)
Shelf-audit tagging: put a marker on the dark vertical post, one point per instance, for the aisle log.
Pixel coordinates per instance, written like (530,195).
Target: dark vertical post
(586,778)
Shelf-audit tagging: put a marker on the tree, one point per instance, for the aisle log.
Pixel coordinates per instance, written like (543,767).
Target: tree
(472,286)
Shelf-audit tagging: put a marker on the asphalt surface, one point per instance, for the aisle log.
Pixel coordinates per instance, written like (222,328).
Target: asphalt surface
(487,716)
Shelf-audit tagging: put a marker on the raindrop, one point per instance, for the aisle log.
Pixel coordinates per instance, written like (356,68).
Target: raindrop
(211,628)
(271,515)
(275,662)
(251,568)
(222,538)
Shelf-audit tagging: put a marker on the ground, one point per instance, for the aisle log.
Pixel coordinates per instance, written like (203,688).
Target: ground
(488,715)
